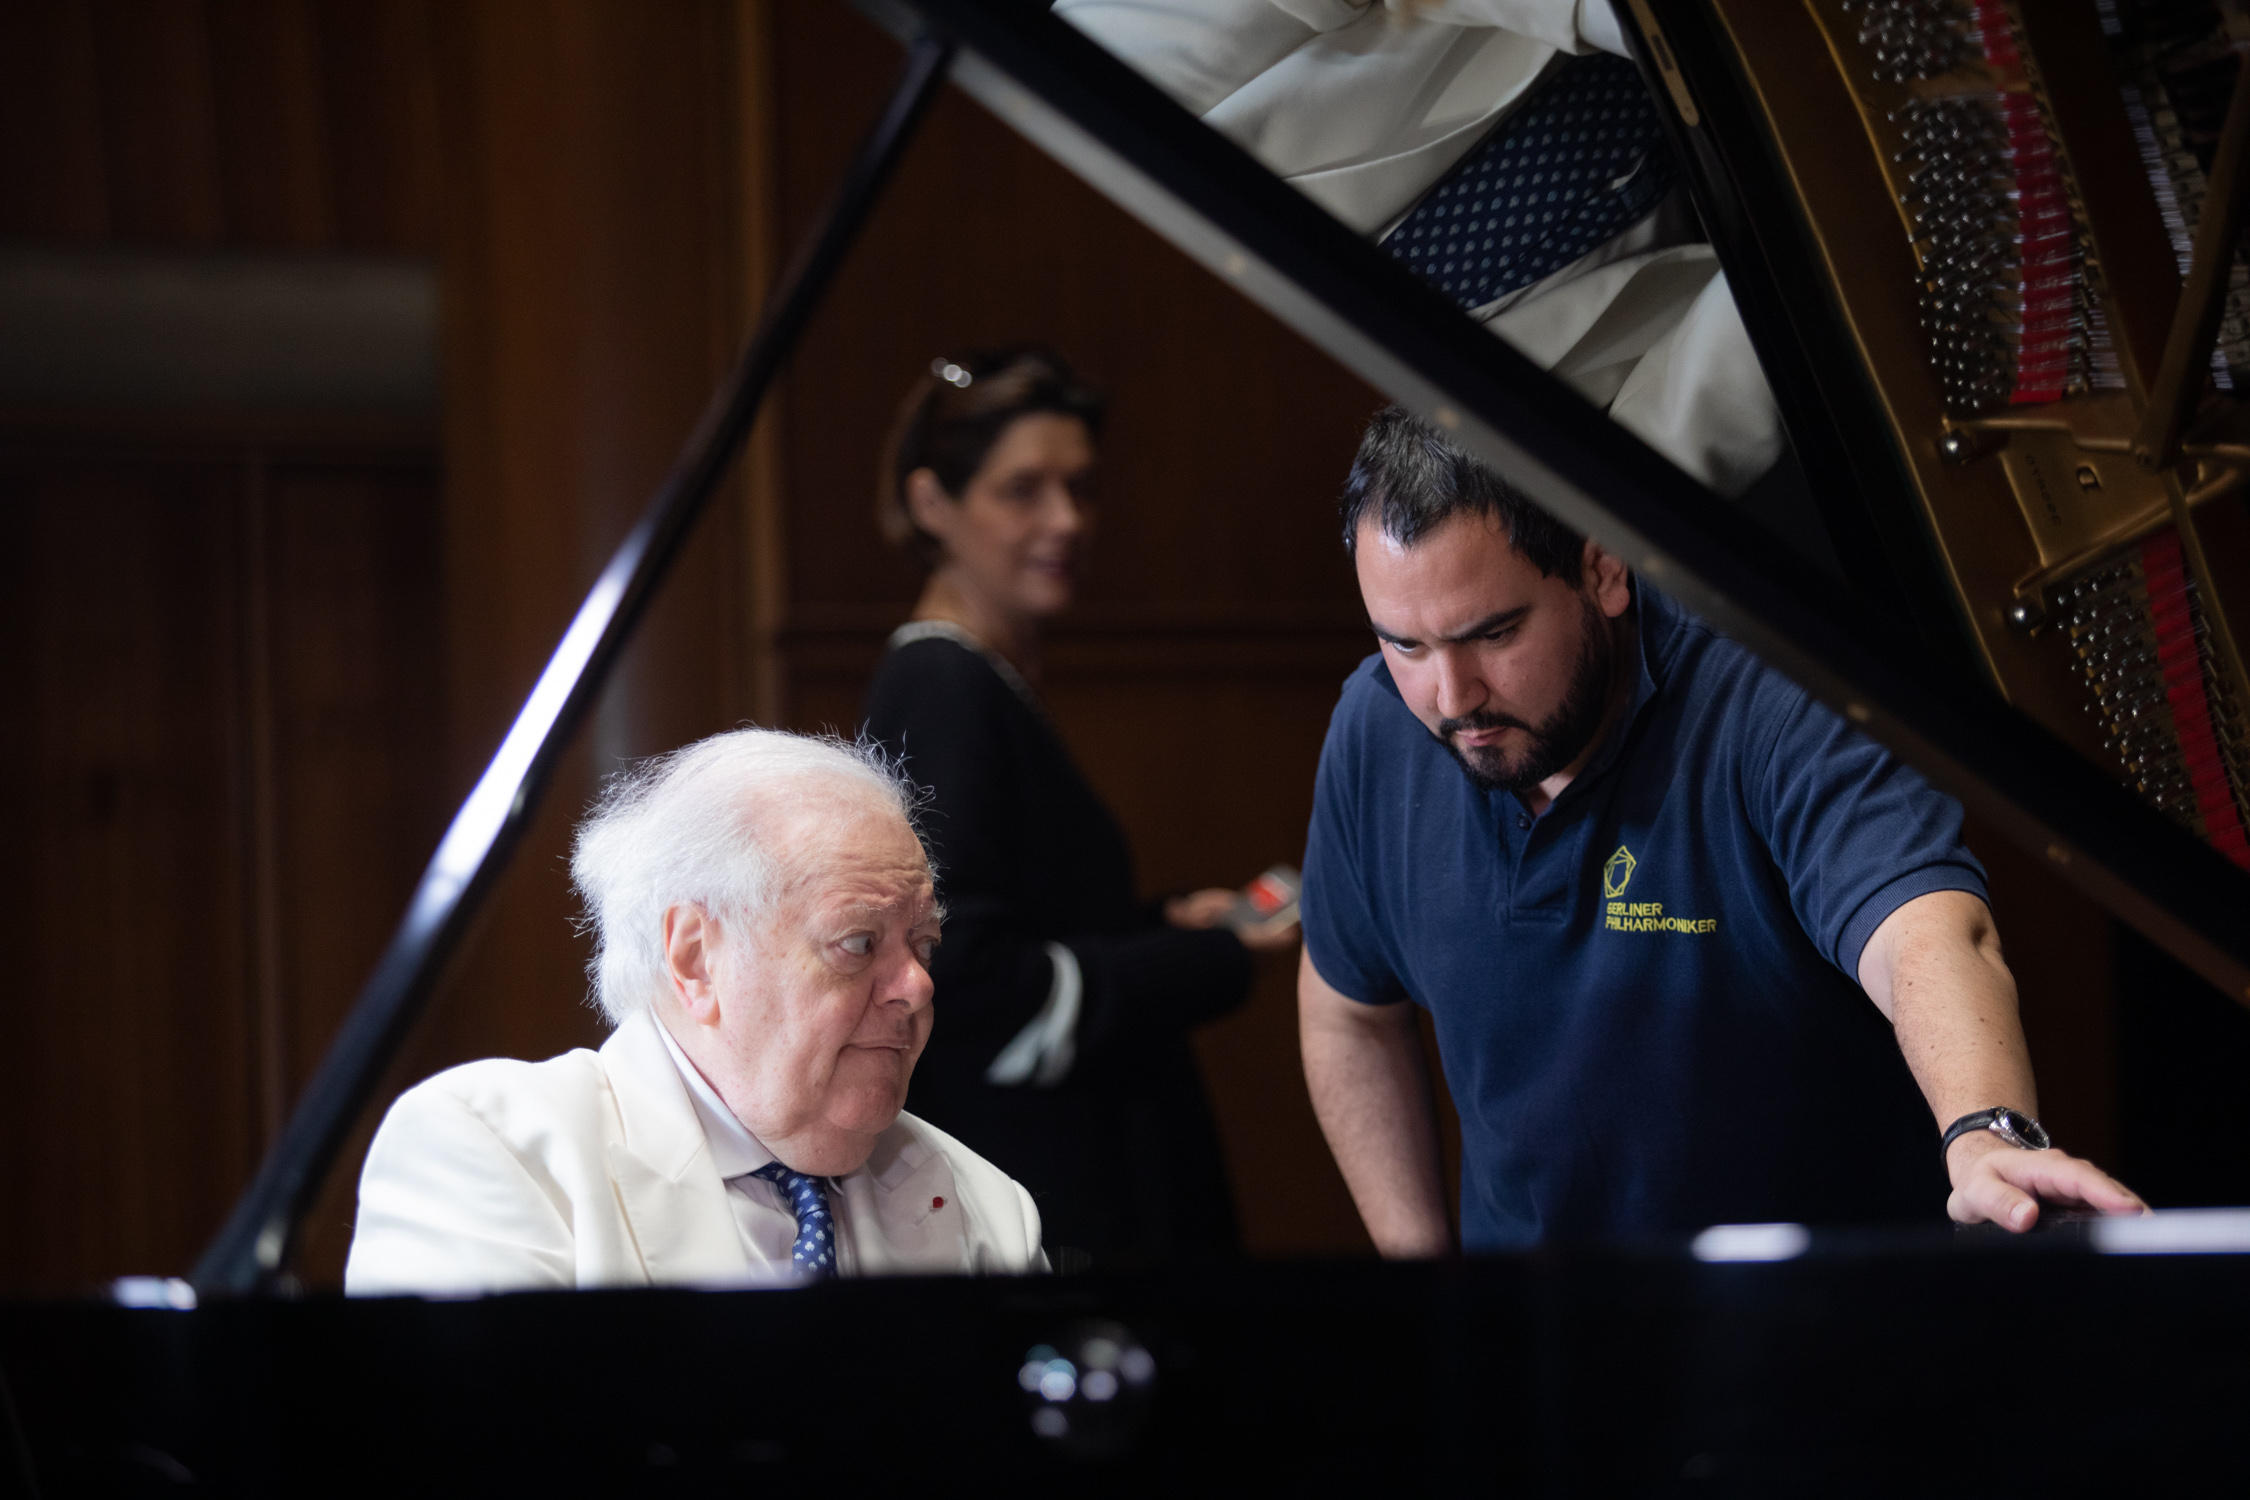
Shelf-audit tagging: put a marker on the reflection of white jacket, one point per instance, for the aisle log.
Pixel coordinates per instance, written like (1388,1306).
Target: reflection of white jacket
(1365,106)
(592,1169)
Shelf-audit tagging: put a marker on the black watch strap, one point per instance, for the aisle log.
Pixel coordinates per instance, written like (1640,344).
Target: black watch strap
(2011,1125)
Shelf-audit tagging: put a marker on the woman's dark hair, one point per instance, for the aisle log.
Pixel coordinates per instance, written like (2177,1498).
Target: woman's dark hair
(955,413)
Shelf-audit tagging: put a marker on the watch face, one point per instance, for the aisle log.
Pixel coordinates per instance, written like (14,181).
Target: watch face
(2019,1128)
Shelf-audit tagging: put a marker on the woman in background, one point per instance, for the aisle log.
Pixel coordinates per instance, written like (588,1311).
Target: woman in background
(1064,1003)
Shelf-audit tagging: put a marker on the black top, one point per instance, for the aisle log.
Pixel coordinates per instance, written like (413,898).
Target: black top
(1119,1151)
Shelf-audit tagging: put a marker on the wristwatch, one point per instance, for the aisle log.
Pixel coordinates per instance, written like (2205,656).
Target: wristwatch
(2011,1125)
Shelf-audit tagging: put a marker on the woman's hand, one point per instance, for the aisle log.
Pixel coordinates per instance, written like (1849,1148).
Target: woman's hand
(1212,908)
(1200,909)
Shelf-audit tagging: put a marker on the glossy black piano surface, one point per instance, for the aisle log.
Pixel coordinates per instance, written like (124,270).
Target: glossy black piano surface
(1860,1364)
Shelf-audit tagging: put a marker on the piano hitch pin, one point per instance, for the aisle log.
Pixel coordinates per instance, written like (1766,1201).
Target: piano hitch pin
(1958,446)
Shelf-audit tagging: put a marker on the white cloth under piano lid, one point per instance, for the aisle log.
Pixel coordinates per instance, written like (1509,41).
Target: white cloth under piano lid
(1364,107)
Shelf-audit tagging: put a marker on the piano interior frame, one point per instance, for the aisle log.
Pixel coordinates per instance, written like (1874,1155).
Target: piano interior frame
(1979,520)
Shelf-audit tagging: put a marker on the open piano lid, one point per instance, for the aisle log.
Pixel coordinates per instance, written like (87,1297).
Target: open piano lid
(1126,138)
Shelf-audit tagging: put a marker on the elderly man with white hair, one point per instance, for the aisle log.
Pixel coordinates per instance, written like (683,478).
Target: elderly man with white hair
(763,914)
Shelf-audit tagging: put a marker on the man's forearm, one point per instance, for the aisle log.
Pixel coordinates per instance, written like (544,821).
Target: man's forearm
(1935,968)
(1371,1091)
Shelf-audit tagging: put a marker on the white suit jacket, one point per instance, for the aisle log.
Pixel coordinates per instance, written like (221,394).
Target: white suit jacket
(1364,107)
(591,1169)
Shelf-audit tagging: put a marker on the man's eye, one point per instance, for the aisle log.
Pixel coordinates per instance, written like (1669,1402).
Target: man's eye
(859,944)
(1404,648)
(1501,634)
(925,950)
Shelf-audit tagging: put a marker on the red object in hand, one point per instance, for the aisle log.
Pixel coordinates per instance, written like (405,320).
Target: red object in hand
(1267,895)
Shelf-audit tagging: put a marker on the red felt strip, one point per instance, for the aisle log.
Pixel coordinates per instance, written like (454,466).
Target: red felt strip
(2198,738)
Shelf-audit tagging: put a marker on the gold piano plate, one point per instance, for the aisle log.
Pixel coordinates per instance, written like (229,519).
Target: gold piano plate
(1995,251)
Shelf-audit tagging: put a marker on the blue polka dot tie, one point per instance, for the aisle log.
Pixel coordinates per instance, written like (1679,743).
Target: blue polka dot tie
(814,1254)
(1579,161)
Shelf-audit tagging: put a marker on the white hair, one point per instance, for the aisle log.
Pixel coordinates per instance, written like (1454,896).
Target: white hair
(690,828)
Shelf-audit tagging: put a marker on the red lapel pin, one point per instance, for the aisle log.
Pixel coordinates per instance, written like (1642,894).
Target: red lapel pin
(936,1203)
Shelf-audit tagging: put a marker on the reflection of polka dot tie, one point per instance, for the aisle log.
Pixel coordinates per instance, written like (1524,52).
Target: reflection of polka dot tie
(1578,161)
(815,1250)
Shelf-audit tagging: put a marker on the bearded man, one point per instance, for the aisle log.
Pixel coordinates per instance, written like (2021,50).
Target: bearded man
(763,917)
(1689,941)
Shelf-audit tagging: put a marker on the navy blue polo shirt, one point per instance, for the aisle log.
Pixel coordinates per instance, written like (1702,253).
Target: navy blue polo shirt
(1645,998)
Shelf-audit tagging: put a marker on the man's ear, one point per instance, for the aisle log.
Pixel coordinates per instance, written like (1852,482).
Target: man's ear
(1608,581)
(928,503)
(691,940)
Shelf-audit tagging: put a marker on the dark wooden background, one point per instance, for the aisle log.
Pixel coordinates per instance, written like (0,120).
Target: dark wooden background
(255,657)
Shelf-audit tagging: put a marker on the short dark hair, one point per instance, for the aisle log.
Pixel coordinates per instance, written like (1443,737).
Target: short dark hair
(1409,480)
(953,415)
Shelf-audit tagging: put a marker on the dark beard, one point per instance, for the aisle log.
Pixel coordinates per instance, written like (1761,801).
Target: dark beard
(1554,743)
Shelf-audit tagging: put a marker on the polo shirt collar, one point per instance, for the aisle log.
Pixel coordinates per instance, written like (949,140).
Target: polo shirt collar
(734,1150)
(1655,619)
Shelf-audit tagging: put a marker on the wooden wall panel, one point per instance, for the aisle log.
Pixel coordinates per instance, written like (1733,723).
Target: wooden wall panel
(353,622)
(52,180)
(219,124)
(591,229)
(232,711)
(379,122)
(276,185)
(159,125)
(222,656)
(125,1087)
(231,621)
(352,615)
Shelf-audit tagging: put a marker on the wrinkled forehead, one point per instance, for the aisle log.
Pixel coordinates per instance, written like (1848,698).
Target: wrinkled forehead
(847,846)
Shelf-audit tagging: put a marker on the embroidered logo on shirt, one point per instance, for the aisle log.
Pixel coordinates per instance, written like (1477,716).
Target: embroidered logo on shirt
(1617,871)
(1640,916)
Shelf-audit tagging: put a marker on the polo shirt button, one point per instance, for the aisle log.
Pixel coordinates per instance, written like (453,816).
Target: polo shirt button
(1523,820)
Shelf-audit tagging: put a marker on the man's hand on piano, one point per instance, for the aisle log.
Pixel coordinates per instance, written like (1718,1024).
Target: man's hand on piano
(1996,1183)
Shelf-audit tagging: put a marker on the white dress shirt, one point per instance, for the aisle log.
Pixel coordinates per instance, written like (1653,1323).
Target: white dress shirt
(761,1208)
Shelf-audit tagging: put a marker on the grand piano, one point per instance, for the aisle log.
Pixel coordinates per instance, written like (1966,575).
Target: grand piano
(2016,410)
